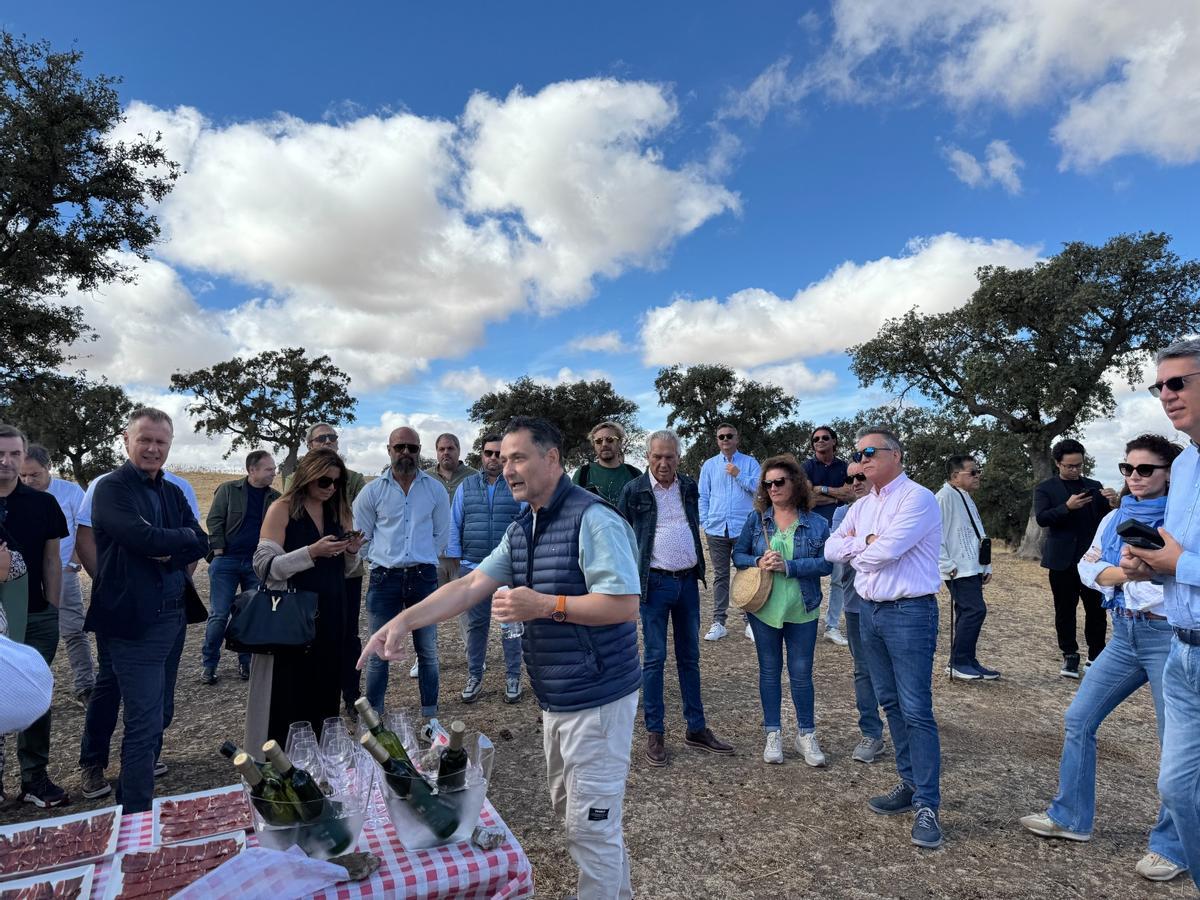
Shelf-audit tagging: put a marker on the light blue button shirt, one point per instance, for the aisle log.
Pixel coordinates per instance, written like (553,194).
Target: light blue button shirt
(725,501)
(1181,593)
(454,546)
(70,499)
(399,529)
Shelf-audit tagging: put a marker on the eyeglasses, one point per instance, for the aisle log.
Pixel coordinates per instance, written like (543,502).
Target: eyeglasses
(1063,465)
(728,436)
(1144,469)
(410,448)
(325,482)
(1174,384)
(769,483)
(860,477)
(488,454)
(972,473)
(868,453)
(608,439)
(819,438)
(325,439)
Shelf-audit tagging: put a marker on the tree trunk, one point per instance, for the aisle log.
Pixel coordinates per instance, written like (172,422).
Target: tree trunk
(1043,468)
(289,463)
(78,470)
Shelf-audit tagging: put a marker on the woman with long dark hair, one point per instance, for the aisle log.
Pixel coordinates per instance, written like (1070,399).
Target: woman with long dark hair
(784,537)
(303,543)
(1136,655)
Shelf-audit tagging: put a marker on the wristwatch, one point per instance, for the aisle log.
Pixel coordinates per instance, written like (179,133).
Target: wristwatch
(824,489)
(560,609)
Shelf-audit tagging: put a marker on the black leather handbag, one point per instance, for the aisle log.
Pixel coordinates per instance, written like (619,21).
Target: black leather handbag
(267,621)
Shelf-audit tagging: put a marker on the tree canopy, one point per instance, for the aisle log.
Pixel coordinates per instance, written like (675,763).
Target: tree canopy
(701,397)
(574,407)
(76,419)
(271,399)
(71,198)
(1034,351)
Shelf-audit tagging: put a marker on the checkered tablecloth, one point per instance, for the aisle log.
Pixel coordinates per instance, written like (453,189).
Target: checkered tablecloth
(452,870)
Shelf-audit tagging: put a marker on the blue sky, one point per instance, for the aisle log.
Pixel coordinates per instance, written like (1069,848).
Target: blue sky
(446,197)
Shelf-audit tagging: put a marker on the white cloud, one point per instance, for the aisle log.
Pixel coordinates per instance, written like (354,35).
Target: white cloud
(795,378)
(392,240)
(471,382)
(773,87)
(608,342)
(755,327)
(1000,166)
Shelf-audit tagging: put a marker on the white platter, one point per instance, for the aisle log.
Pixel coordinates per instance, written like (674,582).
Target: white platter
(109,850)
(116,878)
(156,833)
(55,878)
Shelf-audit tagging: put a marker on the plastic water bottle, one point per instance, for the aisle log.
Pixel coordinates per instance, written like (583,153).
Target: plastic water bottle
(509,630)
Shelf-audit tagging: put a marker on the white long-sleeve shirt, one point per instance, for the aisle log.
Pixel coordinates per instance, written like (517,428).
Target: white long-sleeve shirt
(959,552)
(25,686)
(1140,596)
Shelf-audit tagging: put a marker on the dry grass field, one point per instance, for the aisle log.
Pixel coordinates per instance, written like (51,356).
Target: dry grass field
(712,827)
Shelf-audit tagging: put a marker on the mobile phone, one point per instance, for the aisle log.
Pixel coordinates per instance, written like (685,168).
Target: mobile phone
(352,535)
(1135,534)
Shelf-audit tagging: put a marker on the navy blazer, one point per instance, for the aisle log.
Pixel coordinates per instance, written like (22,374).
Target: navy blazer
(128,591)
(1069,532)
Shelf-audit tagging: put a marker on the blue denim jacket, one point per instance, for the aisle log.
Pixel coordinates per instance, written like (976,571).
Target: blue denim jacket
(808,561)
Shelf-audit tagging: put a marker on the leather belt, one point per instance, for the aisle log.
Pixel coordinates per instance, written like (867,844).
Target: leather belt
(1188,635)
(902,599)
(1135,614)
(681,573)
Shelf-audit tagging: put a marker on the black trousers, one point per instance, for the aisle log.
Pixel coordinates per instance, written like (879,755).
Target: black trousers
(1068,590)
(351,678)
(969,612)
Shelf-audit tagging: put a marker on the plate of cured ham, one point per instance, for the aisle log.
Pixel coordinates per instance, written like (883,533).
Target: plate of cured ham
(200,814)
(27,848)
(66,884)
(161,872)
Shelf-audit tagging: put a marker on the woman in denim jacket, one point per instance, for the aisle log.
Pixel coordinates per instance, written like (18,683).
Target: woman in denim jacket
(792,547)
(1136,655)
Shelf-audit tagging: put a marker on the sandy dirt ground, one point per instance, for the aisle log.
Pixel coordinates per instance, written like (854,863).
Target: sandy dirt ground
(720,827)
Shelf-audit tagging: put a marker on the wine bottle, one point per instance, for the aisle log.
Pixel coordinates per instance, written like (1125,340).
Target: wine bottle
(330,833)
(439,816)
(267,794)
(229,750)
(452,772)
(390,740)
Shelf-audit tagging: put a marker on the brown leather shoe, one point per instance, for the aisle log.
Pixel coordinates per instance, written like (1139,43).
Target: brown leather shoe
(656,750)
(706,740)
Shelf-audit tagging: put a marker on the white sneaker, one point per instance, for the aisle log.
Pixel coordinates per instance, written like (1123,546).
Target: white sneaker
(834,635)
(773,752)
(749,633)
(716,631)
(807,746)
(415,670)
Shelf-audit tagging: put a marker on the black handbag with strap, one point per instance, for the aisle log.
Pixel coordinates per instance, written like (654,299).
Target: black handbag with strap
(267,621)
(985,544)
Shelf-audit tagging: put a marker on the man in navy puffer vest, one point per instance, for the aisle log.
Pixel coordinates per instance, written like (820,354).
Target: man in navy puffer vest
(572,563)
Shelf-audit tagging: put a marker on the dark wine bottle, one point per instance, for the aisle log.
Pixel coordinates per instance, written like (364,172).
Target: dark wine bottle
(387,738)
(229,750)
(331,833)
(439,816)
(267,794)
(452,772)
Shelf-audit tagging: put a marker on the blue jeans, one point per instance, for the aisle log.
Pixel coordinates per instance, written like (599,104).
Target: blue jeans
(479,625)
(869,723)
(899,640)
(679,600)
(226,577)
(1135,655)
(837,601)
(801,641)
(1179,771)
(141,673)
(390,592)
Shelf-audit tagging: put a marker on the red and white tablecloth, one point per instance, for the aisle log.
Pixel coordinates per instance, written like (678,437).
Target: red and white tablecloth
(452,870)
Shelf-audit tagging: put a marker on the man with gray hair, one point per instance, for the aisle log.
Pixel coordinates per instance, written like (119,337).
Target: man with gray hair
(1177,566)
(608,474)
(663,506)
(892,538)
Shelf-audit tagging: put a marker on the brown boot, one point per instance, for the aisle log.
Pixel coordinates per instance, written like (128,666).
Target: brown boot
(706,740)
(656,750)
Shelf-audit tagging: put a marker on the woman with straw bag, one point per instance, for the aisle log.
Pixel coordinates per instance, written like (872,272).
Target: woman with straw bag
(785,539)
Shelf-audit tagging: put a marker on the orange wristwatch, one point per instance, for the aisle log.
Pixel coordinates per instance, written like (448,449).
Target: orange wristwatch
(560,609)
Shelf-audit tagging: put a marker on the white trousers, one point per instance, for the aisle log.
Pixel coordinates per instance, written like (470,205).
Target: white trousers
(587,764)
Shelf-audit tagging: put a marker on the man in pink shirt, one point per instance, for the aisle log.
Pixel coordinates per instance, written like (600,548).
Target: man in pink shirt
(891,538)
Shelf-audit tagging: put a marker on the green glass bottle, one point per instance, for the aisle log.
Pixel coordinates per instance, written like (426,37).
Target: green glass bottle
(387,738)
(267,794)
(324,833)
(452,771)
(438,815)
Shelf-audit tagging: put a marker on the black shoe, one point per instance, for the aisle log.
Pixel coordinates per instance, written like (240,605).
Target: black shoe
(926,832)
(44,793)
(208,676)
(1070,666)
(244,671)
(896,801)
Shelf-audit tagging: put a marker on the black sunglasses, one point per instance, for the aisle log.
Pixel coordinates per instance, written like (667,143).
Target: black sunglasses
(1174,384)
(607,439)
(325,481)
(488,454)
(726,437)
(1144,469)
(775,482)
(860,477)
(411,448)
(867,453)
(325,439)
(822,437)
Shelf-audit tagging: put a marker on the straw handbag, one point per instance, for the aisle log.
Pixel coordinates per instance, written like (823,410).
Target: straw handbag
(752,586)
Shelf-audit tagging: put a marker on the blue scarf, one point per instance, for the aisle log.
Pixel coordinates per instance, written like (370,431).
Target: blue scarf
(1148,512)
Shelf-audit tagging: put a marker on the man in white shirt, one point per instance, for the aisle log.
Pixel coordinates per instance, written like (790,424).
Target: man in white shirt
(963,536)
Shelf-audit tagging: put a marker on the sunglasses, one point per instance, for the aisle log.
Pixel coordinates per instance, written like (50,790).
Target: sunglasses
(1145,469)
(1174,384)
(860,477)
(325,439)
(325,482)
(609,439)
(775,482)
(726,437)
(401,448)
(488,454)
(868,453)
(972,472)
(820,438)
